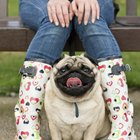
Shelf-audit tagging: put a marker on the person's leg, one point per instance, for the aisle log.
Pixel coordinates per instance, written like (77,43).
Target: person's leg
(97,38)
(100,44)
(50,39)
(45,48)
(32,86)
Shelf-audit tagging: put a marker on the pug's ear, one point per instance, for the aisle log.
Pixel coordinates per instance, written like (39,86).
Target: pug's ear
(62,56)
(94,61)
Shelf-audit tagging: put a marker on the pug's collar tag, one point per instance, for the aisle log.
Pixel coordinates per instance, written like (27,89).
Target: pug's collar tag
(76,110)
(116,69)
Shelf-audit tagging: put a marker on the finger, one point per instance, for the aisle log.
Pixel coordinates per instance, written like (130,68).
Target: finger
(54,16)
(66,15)
(80,12)
(59,14)
(71,13)
(97,10)
(74,8)
(93,13)
(87,13)
(49,14)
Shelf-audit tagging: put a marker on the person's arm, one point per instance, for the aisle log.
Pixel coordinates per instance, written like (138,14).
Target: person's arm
(83,9)
(60,12)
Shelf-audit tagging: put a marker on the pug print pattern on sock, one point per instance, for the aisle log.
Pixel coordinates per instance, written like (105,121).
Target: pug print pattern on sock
(31,101)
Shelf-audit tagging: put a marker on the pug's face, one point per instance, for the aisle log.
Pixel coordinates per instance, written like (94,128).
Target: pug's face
(75,76)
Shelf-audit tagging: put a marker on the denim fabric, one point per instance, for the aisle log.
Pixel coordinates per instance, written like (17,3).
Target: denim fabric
(49,40)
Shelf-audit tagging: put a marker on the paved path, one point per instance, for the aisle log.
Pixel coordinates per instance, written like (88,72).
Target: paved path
(7,127)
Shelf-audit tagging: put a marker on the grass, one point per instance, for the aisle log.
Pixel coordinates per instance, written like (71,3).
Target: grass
(11,62)
(133,77)
(13,7)
(9,71)
(122,6)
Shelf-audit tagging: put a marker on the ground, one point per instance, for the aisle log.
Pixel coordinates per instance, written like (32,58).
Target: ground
(7,129)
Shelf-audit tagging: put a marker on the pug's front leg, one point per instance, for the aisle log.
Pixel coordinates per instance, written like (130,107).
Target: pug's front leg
(90,133)
(54,132)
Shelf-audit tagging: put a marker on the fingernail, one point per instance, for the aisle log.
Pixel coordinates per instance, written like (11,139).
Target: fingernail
(98,17)
(51,20)
(63,25)
(70,18)
(56,23)
(93,20)
(86,22)
(67,25)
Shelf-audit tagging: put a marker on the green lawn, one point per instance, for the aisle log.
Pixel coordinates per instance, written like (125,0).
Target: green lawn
(11,62)
(9,71)
(133,77)
(13,7)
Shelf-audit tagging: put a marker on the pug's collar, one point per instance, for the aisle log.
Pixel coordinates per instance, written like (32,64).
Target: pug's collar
(76,110)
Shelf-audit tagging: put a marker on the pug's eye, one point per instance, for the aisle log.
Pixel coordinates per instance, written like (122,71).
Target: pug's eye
(86,69)
(64,69)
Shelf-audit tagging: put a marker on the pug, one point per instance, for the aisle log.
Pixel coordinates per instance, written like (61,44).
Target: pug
(74,104)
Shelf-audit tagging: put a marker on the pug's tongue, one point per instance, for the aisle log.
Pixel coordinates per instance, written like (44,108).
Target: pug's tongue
(74,82)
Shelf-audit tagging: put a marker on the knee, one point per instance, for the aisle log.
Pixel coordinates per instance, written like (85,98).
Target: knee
(59,31)
(56,32)
(97,28)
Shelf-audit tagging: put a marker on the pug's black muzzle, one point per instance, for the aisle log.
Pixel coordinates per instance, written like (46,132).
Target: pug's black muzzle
(75,83)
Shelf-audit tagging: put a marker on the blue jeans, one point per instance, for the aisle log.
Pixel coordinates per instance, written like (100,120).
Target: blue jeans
(49,41)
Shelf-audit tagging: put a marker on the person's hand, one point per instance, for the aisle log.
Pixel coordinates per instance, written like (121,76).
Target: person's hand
(83,9)
(60,12)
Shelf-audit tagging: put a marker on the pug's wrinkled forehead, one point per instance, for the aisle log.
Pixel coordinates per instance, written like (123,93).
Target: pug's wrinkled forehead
(75,61)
